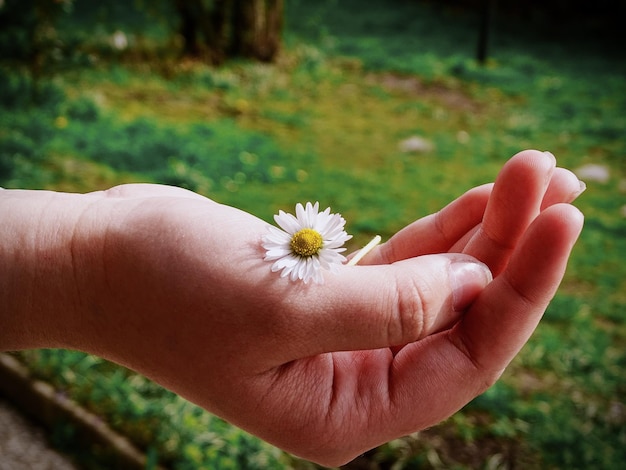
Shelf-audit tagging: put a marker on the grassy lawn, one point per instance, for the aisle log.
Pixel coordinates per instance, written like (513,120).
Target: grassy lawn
(326,123)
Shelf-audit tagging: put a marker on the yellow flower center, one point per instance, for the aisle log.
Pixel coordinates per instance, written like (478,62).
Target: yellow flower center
(306,242)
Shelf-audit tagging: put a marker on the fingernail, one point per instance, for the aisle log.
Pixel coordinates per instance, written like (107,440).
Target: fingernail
(467,279)
(550,154)
(583,186)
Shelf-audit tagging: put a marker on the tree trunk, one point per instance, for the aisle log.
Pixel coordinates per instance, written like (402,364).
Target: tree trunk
(188,28)
(231,28)
(257,28)
(485,28)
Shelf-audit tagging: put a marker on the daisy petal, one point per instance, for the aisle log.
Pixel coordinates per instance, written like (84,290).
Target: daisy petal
(287,222)
(276,253)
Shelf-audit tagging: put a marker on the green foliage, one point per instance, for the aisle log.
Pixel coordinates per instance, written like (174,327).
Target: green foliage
(582,425)
(324,126)
(26,125)
(18,90)
(179,434)
(560,108)
(26,28)
(196,158)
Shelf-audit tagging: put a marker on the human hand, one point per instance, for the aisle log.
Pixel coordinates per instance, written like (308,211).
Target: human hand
(175,286)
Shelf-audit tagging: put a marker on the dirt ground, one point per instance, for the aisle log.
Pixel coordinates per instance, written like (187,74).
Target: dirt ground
(23,446)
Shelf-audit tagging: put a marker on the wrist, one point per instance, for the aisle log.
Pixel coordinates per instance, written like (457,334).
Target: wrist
(38,265)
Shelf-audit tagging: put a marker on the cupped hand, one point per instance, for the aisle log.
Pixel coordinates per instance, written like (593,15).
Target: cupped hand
(175,287)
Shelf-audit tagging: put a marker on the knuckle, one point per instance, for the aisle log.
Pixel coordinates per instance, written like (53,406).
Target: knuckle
(485,374)
(440,225)
(409,312)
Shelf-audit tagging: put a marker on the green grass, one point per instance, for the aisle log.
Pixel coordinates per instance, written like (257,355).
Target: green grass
(324,124)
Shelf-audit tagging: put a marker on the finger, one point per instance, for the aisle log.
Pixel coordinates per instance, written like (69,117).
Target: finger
(435,233)
(369,307)
(515,201)
(564,187)
(509,310)
(462,362)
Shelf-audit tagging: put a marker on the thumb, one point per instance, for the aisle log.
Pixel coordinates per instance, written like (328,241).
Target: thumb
(370,307)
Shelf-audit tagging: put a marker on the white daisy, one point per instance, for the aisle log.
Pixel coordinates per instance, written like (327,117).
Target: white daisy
(309,242)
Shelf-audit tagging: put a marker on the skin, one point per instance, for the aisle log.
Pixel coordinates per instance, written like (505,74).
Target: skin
(174,286)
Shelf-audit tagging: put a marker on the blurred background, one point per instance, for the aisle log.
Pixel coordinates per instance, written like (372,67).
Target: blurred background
(383,110)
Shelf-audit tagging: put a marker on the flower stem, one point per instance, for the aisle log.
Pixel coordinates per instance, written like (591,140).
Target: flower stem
(363,251)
